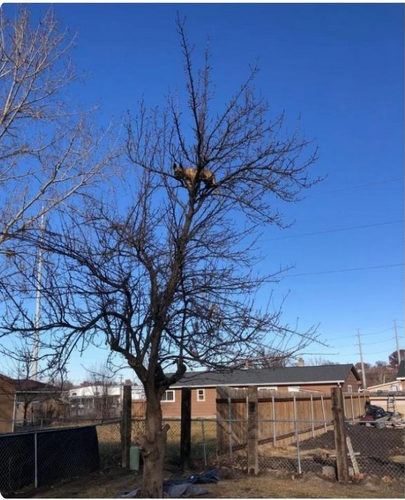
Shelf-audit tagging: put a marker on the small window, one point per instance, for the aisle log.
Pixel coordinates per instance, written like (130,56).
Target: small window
(200,394)
(168,397)
(349,388)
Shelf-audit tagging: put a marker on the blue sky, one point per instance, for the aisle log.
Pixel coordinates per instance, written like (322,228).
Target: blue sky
(338,66)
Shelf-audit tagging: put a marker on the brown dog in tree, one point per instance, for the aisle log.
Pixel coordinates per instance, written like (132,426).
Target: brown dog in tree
(189,176)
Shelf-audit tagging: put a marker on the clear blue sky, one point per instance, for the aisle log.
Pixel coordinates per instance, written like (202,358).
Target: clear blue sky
(341,68)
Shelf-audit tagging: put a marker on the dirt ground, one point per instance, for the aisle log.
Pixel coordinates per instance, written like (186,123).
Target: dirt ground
(109,484)
(368,441)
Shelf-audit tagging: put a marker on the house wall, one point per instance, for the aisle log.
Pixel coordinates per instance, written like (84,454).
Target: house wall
(326,388)
(394,386)
(172,409)
(199,409)
(387,402)
(7,402)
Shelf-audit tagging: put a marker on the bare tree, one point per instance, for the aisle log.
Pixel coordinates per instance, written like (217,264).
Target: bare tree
(48,150)
(265,358)
(101,379)
(37,399)
(168,281)
(320,361)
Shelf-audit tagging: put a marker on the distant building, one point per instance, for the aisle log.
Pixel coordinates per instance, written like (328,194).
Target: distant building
(7,405)
(99,401)
(33,401)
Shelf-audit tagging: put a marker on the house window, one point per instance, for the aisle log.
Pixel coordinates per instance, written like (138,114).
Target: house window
(168,397)
(200,394)
(349,388)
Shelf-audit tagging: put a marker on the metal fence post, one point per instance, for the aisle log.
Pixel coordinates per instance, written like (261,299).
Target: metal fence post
(344,403)
(312,416)
(297,438)
(230,425)
(352,406)
(274,420)
(35,459)
(323,412)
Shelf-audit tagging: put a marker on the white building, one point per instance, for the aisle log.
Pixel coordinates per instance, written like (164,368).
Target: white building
(100,401)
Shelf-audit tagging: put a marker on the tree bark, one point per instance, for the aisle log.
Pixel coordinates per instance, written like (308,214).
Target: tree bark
(153,446)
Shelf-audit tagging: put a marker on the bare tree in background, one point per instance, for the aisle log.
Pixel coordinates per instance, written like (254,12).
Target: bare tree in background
(48,150)
(165,276)
(319,361)
(101,379)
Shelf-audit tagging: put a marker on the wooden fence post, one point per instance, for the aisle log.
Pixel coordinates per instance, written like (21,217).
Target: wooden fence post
(185,439)
(340,435)
(126,426)
(253,431)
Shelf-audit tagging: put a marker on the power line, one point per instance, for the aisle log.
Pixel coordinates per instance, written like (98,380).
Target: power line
(398,179)
(343,270)
(380,342)
(325,231)
(366,334)
(379,352)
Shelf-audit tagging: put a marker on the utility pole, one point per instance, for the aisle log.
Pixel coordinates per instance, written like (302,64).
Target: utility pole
(363,373)
(396,341)
(35,351)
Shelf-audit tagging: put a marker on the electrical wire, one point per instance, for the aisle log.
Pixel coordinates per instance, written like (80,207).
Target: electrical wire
(398,179)
(325,231)
(343,270)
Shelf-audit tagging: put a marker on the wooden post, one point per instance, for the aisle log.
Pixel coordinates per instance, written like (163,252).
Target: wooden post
(340,435)
(356,469)
(185,439)
(253,431)
(222,433)
(126,426)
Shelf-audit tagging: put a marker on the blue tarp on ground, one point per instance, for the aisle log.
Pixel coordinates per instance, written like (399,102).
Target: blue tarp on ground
(182,488)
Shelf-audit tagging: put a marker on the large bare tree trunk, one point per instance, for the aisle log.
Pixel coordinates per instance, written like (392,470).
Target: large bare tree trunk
(153,446)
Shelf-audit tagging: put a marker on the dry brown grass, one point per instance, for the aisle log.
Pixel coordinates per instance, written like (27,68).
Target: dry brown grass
(108,485)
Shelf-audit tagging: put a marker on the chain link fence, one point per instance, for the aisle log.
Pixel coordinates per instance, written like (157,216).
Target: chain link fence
(375,449)
(39,458)
(203,441)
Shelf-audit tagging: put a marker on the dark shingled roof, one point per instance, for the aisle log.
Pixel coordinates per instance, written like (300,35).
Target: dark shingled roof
(269,376)
(28,385)
(401,369)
